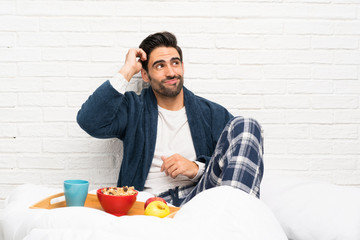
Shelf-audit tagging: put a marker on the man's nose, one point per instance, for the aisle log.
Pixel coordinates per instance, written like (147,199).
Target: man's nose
(170,71)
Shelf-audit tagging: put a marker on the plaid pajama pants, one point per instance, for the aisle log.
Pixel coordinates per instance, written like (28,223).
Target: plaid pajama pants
(237,162)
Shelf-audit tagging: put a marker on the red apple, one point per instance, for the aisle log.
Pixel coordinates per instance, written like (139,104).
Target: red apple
(149,200)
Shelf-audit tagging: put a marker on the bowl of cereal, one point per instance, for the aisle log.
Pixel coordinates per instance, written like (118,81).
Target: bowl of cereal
(117,200)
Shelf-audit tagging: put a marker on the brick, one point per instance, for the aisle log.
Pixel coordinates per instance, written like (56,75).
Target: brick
(8,100)
(210,26)
(335,102)
(267,26)
(239,42)
(345,1)
(236,86)
(287,71)
(347,27)
(115,25)
(67,8)
(19,23)
(336,11)
(262,115)
(196,40)
(21,85)
(334,131)
(198,71)
(19,177)
(42,99)
(309,147)
(17,145)
(287,163)
(108,55)
(239,72)
(19,54)
(90,39)
(347,57)
(275,146)
(310,87)
(322,42)
(56,177)
(7,162)
(7,40)
(333,163)
(8,70)
(41,39)
(20,115)
(66,54)
(309,116)
(42,130)
(8,130)
(43,69)
(42,161)
(262,57)
(129,39)
(335,72)
(281,131)
(7,7)
(346,147)
(292,102)
(236,101)
(92,70)
(287,42)
(308,27)
(79,146)
(67,84)
(347,116)
(261,87)
(347,87)
(65,24)
(309,57)
(60,114)
(94,161)
(352,177)
(212,56)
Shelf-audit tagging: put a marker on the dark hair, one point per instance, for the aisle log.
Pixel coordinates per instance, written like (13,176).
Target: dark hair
(160,39)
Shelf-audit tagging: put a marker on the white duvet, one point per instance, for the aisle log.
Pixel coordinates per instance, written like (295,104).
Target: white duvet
(222,211)
(296,209)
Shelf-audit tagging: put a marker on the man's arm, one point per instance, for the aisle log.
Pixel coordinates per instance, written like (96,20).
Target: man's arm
(104,114)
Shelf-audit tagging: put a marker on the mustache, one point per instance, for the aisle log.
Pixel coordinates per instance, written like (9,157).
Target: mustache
(171,77)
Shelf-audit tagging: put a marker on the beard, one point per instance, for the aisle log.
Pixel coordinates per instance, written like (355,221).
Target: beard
(160,86)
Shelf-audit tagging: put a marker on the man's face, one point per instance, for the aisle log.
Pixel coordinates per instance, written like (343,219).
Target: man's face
(165,72)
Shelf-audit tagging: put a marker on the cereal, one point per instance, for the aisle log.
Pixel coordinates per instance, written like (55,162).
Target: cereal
(119,191)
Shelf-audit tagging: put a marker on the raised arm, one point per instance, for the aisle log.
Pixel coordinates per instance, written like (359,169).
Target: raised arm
(105,113)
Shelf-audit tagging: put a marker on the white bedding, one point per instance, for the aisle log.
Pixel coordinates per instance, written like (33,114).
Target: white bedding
(289,209)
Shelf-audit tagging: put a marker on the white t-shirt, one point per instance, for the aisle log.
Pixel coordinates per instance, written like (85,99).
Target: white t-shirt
(173,136)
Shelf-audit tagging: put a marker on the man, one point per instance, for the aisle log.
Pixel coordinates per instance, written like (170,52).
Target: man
(176,144)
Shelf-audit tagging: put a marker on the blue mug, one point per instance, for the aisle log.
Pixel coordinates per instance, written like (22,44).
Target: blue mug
(75,192)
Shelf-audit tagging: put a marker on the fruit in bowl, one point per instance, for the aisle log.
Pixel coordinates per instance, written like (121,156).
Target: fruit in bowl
(117,200)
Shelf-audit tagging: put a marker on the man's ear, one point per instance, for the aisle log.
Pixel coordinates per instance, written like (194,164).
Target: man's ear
(145,75)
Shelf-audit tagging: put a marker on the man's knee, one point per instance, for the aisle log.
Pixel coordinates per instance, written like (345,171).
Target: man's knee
(246,124)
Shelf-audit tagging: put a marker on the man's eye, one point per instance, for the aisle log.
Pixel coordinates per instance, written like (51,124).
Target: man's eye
(159,66)
(176,63)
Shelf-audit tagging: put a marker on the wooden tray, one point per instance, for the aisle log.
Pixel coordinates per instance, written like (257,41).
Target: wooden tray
(93,202)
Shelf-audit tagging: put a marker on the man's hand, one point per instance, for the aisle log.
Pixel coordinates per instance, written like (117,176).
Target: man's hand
(177,164)
(132,63)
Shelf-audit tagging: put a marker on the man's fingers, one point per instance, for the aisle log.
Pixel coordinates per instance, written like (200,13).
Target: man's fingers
(140,54)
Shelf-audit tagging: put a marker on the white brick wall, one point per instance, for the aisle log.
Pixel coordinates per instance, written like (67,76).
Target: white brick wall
(292,64)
